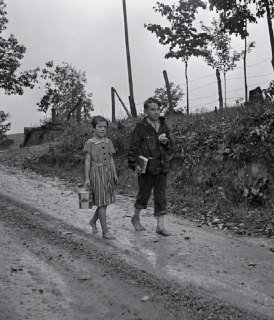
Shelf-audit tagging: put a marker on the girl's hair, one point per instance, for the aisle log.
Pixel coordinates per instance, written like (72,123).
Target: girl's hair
(151,100)
(98,119)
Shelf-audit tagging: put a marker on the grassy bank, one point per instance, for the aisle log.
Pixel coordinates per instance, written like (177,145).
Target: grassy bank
(223,165)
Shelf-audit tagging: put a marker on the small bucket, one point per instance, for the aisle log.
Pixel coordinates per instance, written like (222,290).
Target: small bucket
(85,199)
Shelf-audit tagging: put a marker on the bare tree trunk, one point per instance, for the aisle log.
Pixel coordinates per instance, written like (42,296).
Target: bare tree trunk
(78,115)
(270,29)
(220,93)
(245,75)
(225,87)
(187,91)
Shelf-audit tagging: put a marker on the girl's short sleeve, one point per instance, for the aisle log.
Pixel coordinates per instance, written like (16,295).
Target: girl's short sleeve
(111,147)
(87,147)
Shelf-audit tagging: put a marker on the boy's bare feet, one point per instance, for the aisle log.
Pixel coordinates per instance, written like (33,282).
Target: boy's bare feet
(93,226)
(163,231)
(137,225)
(108,235)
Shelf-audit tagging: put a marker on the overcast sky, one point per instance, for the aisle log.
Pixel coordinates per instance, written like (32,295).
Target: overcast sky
(89,34)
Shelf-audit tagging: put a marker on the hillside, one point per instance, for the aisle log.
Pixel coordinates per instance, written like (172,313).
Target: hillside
(223,165)
(13,141)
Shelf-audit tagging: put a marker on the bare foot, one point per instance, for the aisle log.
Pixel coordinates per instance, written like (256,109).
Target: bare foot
(108,236)
(137,225)
(163,231)
(93,226)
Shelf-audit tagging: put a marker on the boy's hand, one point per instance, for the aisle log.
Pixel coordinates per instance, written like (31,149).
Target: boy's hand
(163,139)
(87,184)
(138,170)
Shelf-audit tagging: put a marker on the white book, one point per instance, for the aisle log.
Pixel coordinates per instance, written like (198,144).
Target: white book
(142,163)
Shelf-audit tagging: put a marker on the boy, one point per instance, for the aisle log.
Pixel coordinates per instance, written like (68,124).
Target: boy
(151,140)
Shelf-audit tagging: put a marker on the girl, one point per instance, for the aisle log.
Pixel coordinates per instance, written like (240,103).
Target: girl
(100,173)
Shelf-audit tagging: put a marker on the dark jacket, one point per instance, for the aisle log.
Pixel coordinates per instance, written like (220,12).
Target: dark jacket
(145,142)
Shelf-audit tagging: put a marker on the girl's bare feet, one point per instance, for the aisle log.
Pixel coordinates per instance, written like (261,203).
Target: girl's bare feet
(93,226)
(137,225)
(108,235)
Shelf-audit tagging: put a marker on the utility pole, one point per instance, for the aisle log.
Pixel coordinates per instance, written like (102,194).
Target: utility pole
(113,104)
(131,95)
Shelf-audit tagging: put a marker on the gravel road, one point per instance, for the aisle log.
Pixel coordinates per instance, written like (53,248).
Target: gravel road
(52,267)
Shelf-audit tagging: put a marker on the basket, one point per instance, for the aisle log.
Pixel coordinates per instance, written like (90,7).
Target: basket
(85,199)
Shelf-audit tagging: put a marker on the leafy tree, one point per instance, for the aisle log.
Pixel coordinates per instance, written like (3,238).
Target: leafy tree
(4,125)
(181,36)
(176,96)
(65,92)
(11,54)
(237,13)
(220,55)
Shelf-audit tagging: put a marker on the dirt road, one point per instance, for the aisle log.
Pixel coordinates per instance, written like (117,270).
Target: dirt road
(52,267)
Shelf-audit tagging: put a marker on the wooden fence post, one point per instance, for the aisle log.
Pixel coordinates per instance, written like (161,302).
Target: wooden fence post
(168,90)
(122,103)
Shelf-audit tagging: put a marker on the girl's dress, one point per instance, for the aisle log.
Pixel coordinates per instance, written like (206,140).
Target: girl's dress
(101,173)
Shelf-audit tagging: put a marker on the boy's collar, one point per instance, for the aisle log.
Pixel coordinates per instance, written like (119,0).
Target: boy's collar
(161,119)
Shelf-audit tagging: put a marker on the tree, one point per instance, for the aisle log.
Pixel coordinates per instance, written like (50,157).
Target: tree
(247,49)
(4,125)
(11,54)
(176,96)
(219,54)
(181,36)
(236,14)
(65,92)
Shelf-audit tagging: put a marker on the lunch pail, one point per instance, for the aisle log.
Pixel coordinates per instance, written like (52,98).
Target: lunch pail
(85,199)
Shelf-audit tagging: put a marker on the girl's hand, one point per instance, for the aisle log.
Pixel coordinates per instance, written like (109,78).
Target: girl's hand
(87,184)
(116,180)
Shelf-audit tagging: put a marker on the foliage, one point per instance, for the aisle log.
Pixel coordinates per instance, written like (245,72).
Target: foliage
(181,36)
(176,96)
(11,54)
(6,143)
(65,91)
(269,92)
(236,13)
(4,125)
(218,52)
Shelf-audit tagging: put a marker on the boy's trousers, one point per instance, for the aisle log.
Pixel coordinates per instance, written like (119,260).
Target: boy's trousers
(158,183)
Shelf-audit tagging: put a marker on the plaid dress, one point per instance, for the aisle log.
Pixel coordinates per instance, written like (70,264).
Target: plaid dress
(101,173)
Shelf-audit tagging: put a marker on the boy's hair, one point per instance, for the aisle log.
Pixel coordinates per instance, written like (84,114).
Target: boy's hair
(98,119)
(151,100)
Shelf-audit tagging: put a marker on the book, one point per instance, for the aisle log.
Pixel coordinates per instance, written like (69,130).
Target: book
(142,163)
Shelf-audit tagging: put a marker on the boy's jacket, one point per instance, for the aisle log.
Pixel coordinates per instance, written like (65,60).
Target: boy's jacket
(145,142)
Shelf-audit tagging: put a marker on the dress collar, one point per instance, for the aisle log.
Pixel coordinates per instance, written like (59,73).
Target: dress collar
(105,140)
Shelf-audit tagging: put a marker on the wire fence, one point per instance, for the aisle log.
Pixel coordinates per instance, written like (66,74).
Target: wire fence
(230,99)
